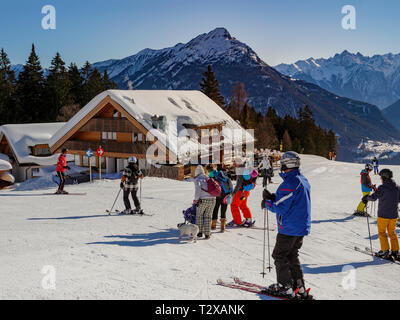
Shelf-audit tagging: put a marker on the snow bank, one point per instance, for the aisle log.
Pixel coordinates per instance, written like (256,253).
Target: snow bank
(5,165)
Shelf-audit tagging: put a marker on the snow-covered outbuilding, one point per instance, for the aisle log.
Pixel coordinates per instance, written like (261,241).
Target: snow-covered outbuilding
(27,147)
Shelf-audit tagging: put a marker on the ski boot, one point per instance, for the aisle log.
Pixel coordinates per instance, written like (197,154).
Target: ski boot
(395,256)
(64,192)
(207,236)
(58,192)
(383,254)
(248,223)
(199,235)
(304,294)
(281,291)
(126,211)
(361,213)
(233,224)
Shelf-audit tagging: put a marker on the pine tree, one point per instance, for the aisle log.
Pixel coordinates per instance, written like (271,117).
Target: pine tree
(239,96)
(107,82)
(57,88)
(210,87)
(7,87)
(76,84)
(29,91)
(287,141)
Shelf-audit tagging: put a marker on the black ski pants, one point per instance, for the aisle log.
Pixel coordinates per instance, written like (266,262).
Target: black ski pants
(287,263)
(219,203)
(133,193)
(61,175)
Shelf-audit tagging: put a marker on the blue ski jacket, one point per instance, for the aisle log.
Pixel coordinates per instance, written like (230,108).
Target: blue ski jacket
(292,204)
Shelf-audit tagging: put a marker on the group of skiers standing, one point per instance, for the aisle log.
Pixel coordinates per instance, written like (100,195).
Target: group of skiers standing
(210,202)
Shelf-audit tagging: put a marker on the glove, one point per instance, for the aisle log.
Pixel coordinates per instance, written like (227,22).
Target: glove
(268,195)
(364,199)
(263,204)
(374,187)
(67,167)
(121,185)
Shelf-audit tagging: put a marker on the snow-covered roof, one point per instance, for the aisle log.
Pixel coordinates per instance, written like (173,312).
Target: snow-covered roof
(22,136)
(179,107)
(5,165)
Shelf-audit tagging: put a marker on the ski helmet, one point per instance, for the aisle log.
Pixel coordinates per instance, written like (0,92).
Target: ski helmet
(368,167)
(386,174)
(132,159)
(290,160)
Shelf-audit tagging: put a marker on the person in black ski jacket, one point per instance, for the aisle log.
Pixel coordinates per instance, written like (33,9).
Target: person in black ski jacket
(389,196)
(226,189)
(129,184)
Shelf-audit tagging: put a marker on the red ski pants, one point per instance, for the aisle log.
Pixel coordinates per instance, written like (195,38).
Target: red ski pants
(240,202)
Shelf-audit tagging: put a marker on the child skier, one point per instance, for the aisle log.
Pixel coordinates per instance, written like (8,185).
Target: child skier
(205,203)
(292,206)
(129,184)
(60,169)
(244,184)
(389,196)
(221,177)
(366,188)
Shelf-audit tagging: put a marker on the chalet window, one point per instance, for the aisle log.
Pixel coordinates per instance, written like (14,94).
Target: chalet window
(41,152)
(109,136)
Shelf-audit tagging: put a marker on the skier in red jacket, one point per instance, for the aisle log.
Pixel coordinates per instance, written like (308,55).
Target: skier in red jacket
(61,167)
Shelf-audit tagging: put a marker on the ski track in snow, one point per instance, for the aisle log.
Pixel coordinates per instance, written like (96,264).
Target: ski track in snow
(97,256)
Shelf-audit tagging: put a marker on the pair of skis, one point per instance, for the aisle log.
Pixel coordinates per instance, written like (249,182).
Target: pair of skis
(258,289)
(120,213)
(248,227)
(374,254)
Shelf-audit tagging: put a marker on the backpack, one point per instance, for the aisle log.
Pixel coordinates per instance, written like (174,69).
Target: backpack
(213,187)
(224,182)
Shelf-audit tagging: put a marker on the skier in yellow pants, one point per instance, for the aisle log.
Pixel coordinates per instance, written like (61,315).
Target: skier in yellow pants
(366,188)
(389,196)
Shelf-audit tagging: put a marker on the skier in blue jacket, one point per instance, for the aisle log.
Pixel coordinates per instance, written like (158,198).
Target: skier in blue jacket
(292,205)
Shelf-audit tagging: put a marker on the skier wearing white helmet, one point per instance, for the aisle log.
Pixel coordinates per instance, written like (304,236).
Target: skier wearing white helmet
(129,184)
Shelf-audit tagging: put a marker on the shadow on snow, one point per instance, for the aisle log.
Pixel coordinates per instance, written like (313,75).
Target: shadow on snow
(167,236)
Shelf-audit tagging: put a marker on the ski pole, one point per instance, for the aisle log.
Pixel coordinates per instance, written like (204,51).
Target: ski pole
(369,232)
(263,272)
(109,211)
(269,253)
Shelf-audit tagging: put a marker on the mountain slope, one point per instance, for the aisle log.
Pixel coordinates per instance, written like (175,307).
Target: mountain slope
(393,113)
(375,80)
(182,66)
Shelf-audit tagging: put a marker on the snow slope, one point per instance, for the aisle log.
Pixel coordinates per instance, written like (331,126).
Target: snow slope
(96,256)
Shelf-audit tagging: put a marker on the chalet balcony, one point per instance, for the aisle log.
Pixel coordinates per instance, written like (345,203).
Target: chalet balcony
(108,146)
(108,125)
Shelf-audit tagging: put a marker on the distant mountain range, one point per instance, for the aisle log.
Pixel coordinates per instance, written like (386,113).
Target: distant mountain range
(375,80)
(182,67)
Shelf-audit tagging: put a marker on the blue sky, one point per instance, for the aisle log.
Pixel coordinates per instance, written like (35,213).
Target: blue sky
(279,31)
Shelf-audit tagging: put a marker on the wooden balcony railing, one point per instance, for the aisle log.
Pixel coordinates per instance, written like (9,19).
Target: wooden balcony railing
(109,125)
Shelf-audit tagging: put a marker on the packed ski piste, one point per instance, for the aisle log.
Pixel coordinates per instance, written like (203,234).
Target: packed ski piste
(300,228)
